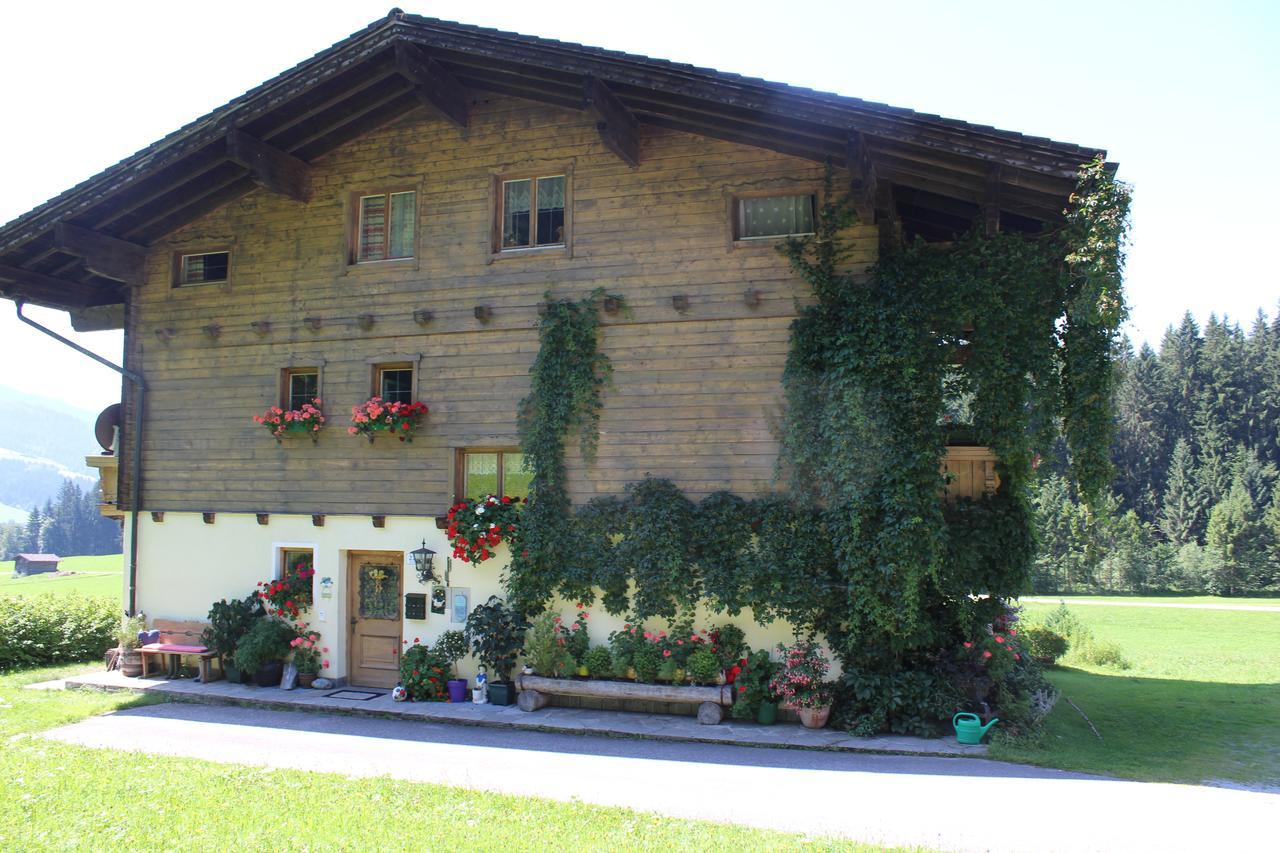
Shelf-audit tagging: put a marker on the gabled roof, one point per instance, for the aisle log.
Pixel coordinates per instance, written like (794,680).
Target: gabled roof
(85,246)
(38,558)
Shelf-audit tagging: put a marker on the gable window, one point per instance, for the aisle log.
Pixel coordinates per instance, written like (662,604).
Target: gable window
(300,385)
(203,268)
(761,217)
(393,382)
(491,472)
(384,226)
(531,212)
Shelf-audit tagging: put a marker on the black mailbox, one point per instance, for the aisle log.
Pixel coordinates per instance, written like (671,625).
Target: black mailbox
(415,605)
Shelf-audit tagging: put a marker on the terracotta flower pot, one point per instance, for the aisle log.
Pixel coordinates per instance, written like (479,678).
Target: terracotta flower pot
(814,718)
(305,679)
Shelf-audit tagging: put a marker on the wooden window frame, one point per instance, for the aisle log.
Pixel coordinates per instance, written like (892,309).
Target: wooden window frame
(734,199)
(286,373)
(460,467)
(176,281)
(564,248)
(353,224)
(394,361)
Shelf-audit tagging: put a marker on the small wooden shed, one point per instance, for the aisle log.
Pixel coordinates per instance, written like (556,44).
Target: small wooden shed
(34,564)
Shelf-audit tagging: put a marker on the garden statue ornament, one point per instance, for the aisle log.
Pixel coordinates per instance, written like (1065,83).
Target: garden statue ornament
(480,693)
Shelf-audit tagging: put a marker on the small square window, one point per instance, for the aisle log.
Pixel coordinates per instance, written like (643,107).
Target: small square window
(394,382)
(384,226)
(771,216)
(492,472)
(203,268)
(301,385)
(531,212)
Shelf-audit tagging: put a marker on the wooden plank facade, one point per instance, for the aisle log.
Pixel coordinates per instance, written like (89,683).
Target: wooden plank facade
(696,393)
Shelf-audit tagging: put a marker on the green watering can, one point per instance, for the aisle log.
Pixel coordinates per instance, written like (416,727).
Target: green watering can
(969,728)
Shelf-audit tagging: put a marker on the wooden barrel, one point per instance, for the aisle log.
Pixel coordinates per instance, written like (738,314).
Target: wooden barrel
(131,663)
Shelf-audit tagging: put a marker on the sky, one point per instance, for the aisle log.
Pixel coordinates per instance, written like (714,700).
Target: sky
(1184,96)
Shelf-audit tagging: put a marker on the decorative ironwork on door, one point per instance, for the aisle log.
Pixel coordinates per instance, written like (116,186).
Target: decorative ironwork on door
(379,592)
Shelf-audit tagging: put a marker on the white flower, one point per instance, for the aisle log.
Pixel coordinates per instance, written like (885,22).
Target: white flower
(492,499)
(479,510)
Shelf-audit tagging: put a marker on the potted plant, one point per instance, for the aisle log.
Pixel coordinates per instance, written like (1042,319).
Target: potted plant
(228,622)
(727,641)
(496,635)
(799,682)
(424,673)
(755,697)
(377,415)
(577,641)
(306,657)
(704,667)
(476,528)
(127,638)
(306,420)
(263,649)
(598,661)
(647,659)
(291,593)
(622,648)
(452,647)
(546,647)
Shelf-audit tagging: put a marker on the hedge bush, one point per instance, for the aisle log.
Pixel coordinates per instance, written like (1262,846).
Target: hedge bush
(1044,644)
(48,629)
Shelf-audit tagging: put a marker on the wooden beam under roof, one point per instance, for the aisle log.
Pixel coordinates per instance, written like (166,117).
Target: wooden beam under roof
(435,86)
(270,167)
(618,128)
(46,290)
(862,177)
(109,257)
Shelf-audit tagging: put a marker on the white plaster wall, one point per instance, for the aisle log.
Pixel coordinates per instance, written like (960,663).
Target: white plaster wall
(184,565)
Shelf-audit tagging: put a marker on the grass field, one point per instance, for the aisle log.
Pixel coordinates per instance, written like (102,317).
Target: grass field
(59,796)
(103,578)
(1200,702)
(1168,599)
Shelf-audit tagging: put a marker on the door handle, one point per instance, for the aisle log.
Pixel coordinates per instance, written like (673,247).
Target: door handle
(353,621)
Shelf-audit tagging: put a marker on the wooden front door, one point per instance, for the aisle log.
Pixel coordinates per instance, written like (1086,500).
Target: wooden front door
(375,580)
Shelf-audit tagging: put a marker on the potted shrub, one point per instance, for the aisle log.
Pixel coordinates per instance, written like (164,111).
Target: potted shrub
(704,667)
(496,635)
(228,622)
(263,649)
(546,647)
(424,673)
(452,647)
(577,642)
(127,638)
(727,641)
(755,698)
(647,660)
(598,661)
(306,657)
(622,648)
(799,682)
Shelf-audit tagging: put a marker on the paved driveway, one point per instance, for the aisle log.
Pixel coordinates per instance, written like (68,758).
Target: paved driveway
(945,803)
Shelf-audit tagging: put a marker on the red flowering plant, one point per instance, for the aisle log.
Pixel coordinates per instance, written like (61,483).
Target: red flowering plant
(576,641)
(376,415)
(424,672)
(993,656)
(476,528)
(307,651)
(306,420)
(799,680)
(291,594)
(752,678)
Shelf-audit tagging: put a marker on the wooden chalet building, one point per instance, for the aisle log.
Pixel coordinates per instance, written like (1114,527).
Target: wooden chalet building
(386,217)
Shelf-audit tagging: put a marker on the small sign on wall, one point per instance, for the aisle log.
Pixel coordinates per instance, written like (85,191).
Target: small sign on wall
(439,600)
(326,587)
(459,604)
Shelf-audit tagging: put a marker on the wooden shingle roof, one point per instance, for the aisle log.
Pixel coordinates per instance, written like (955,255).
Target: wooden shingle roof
(84,247)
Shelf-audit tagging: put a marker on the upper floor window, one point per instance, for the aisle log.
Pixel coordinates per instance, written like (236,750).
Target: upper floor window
(760,217)
(531,212)
(202,268)
(384,226)
(300,385)
(492,472)
(394,382)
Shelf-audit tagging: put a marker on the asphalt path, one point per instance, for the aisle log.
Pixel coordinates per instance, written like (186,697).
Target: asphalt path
(942,803)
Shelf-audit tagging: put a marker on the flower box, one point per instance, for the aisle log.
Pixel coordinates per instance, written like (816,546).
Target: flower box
(305,420)
(376,415)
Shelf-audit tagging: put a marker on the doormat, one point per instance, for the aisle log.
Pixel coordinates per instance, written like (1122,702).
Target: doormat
(354,695)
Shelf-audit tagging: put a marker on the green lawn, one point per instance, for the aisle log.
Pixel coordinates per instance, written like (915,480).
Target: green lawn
(1168,599)
(103,577)
(59,796)
(1200,702)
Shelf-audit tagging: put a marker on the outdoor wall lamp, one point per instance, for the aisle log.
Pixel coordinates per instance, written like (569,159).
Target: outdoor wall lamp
(422,559)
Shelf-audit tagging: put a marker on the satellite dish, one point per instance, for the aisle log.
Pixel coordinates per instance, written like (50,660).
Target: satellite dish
(104,429)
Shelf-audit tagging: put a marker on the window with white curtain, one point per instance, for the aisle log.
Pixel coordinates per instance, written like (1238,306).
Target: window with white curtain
(531,212)
(384,224)
(761,217)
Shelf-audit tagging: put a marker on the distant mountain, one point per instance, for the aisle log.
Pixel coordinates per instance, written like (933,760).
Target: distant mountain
(42,442)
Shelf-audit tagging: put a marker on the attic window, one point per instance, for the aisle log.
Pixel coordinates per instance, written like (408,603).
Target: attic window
(203,268)
(384,226)
(764,217)
(531,212)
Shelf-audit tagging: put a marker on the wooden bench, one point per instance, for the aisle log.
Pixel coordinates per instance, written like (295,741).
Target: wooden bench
(536,690)
(178,639)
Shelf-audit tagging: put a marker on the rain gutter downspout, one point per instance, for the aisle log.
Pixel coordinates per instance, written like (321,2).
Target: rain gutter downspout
(135,460)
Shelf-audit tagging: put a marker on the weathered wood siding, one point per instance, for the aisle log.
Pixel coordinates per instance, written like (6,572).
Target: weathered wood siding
(696,395)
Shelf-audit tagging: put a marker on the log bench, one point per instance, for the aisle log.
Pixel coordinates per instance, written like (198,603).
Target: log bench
(178,639)
(536,691)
